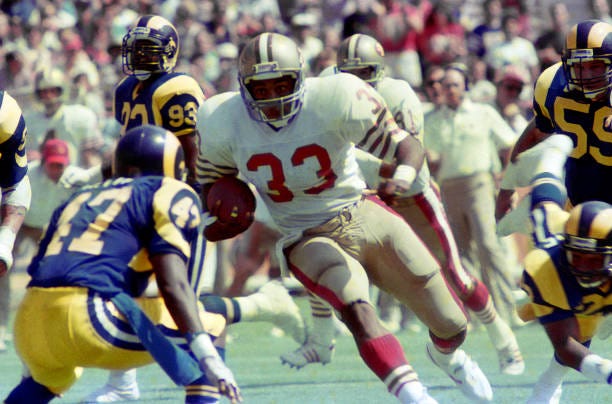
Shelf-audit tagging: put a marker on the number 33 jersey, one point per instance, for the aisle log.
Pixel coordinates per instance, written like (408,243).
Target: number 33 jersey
(305,172)
(102,236)
(170,101)
(589,167)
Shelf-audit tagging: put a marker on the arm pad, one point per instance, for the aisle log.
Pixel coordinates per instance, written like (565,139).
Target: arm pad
(18,195)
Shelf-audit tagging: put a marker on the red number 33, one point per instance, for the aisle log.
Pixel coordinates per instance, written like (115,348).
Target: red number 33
(277,188)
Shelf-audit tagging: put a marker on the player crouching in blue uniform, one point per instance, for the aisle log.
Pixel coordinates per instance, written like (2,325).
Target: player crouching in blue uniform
(94,262)
(570,283)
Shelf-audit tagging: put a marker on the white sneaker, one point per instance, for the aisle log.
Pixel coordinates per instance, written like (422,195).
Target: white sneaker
(511,361)
(466,374)
(425,399)
(409,395)
(277,306)
(540,398)
(111,394)
(310,352)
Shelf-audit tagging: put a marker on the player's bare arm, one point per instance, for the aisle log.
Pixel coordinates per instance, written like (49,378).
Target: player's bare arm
(529,138)
(564,337)
(190,147)
(408,160)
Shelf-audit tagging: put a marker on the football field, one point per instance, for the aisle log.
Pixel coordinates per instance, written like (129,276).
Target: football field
(253,355)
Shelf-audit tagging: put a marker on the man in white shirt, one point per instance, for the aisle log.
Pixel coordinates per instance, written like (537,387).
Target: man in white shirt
(461,140)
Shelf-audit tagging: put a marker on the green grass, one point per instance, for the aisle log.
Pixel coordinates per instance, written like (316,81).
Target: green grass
(253,355)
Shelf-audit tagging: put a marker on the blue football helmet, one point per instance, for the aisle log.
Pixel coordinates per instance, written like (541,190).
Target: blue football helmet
(151,46)
(588,232)
(271,56)
(149,150)
(588,41)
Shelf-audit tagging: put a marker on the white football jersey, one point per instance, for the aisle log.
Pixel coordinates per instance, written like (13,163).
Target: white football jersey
(72,123)
(305,172)
(407,110)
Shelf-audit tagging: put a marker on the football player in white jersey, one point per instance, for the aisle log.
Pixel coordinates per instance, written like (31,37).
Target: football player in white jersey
(293,139)
(420,205)
(73,123)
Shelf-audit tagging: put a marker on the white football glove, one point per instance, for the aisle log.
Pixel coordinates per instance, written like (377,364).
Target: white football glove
(7,241)
(79,178)
(213,366)
(218,373)
(6,256)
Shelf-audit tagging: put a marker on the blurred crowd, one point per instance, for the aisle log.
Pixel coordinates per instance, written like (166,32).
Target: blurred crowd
(82,38)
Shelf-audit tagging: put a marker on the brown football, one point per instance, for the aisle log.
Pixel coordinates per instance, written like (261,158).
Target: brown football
(232,202)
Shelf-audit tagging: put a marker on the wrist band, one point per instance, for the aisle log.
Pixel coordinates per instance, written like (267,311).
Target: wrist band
(405,172)
(201,345)
(7,237)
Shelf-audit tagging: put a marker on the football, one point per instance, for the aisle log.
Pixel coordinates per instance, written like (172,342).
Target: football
(233,203)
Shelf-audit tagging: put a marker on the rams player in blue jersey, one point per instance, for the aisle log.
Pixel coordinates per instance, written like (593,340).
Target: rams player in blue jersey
(95,260)
(152,93)
(14,180)
(572,98)
(16,195)
(569,284)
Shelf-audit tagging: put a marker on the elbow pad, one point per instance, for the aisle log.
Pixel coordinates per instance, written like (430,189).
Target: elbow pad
(18,195)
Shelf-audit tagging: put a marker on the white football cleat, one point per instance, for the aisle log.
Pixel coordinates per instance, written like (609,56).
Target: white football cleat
(540,397)
(511,361)
(111,394)
(310,352)
(465,373)
(415,393)
(276,305)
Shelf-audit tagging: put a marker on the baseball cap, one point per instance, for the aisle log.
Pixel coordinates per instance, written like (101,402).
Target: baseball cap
(56,151)
(513,73)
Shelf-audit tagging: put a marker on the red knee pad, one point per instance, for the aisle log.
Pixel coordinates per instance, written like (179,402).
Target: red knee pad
(479,297)
(448,344)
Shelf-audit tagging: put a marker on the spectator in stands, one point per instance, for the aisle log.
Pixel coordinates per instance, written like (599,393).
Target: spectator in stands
(397,30)
(514,50)
(549,45)
(489,33)
(463,140)
(72,123)
(303,29)
(600,10)
(433,89)
(48,192)
(443,38)
(511,82)
(362,18)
